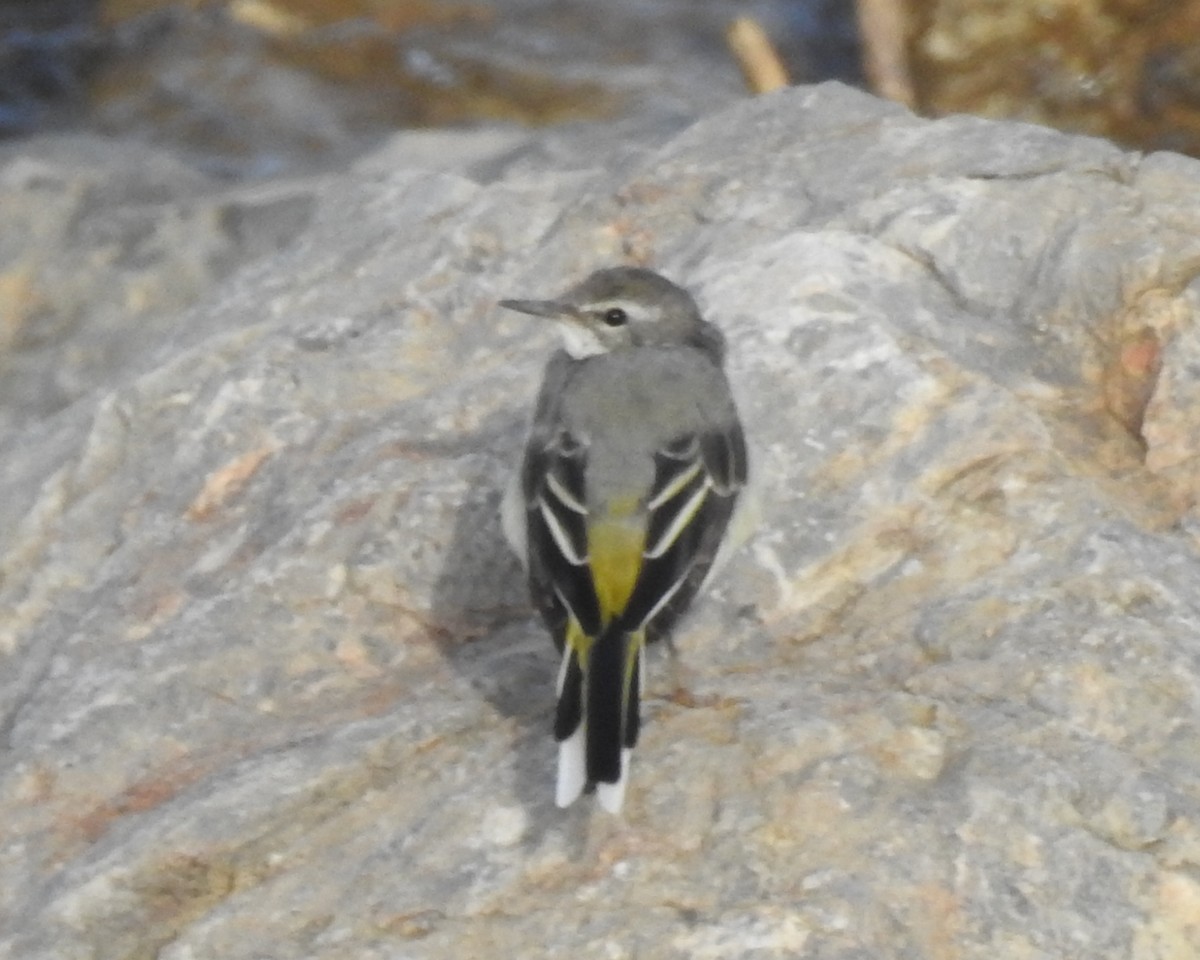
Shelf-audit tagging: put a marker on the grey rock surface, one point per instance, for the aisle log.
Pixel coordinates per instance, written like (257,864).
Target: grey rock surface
(270,685)
(102,245)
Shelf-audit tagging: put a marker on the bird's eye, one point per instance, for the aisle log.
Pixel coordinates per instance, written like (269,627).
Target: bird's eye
(615,316)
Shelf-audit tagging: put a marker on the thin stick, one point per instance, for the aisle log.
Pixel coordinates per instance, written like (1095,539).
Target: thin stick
(883,26)
(752,49)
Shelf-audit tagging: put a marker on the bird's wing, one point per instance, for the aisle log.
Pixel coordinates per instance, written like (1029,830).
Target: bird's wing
(698,477)
(554,484)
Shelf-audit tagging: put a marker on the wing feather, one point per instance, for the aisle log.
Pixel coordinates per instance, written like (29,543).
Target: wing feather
(698,477)
(554,483)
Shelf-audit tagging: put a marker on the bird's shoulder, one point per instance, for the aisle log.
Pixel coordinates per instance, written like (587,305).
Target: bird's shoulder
(647,379)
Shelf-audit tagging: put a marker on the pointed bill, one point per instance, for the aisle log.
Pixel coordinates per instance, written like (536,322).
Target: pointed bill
(578,339)
(540,308)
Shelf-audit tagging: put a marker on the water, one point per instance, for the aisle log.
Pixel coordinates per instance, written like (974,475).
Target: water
(257,87)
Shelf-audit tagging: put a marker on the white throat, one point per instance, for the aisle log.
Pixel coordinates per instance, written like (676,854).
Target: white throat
(579,341)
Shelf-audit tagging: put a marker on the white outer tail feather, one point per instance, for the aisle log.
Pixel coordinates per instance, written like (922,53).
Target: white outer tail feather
(572,769)
(612,795)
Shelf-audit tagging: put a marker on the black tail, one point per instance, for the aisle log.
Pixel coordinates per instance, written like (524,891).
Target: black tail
(612,695)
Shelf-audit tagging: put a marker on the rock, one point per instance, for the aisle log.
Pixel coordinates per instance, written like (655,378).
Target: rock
(272,686)
(102,245)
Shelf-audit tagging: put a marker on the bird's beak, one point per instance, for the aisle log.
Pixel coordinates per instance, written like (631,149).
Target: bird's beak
(555,309)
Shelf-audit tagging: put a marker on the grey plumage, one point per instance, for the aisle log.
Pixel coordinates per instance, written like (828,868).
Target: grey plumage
(630,477)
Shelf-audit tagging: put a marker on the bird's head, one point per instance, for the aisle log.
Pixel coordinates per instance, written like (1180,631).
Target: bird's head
(622,307)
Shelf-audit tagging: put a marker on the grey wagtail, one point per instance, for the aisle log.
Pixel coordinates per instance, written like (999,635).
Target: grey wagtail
(628,498)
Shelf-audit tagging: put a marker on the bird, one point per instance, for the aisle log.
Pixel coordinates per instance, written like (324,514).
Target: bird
(630,495)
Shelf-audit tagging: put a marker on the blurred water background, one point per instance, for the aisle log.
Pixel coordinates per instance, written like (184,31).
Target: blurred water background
(259,87)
